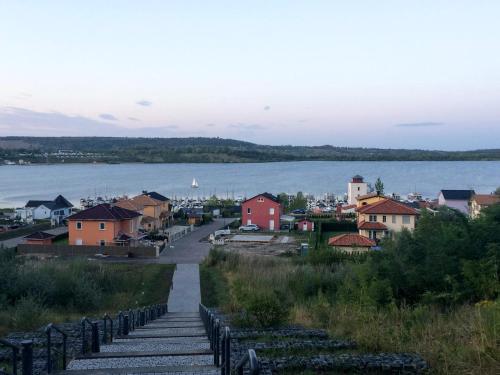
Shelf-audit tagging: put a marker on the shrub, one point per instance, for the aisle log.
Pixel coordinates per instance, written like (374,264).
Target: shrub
(29,313)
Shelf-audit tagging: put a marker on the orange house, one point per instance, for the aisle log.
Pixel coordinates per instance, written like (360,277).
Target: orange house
(104,225)
(154,211)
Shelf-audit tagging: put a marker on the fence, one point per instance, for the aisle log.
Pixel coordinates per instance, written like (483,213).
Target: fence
(84,250)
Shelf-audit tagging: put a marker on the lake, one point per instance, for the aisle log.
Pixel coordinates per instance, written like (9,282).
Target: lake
(21,183)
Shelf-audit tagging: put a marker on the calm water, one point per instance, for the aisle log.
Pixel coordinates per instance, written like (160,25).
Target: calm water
(20,183)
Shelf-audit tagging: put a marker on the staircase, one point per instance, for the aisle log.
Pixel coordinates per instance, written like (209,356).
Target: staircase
(175,343)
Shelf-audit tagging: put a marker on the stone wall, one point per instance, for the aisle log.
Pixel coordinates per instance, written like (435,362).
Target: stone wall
(72,250)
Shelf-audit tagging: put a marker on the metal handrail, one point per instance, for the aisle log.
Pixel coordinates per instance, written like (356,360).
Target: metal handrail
(106,318)
(251,358)
(48,331)
(26,350)
(95,348)
(226,352)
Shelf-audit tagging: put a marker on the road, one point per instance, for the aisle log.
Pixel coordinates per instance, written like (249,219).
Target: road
(189,249)
(13,242)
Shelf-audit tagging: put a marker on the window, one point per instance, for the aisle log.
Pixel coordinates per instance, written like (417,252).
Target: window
(384,219)
(271,211)
(102,226)
(249,210)
(79,225)
(394,219)
(406,219)
(358,188)
(387,234)
(102,243)
(260,200)
(373,218)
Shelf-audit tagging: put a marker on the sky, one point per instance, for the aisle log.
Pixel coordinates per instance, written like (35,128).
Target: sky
(373,73)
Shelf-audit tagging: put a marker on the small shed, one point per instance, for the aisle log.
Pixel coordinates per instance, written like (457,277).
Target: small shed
(39,238)
(305,226)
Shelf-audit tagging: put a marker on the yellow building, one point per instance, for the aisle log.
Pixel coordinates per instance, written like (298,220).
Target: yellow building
(384,217)
(370,198)
(155,212)
(479,202)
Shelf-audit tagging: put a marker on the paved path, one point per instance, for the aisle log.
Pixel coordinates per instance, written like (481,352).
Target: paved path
(189,249)
(13,242)
(185,295)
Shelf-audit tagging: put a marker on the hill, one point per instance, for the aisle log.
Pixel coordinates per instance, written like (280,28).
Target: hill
(204,150)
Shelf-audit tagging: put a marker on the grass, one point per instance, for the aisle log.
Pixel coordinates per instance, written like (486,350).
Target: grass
(459,340)
(213,286)
(65,290)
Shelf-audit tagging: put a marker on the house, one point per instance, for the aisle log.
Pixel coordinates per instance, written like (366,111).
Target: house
(305,225)
(356,188)
(479,202)
(351,243)
(155,213)
(384,217)
(263,210)
(39,238)
(166,206)
(104,225)
(56,210)
(457,199)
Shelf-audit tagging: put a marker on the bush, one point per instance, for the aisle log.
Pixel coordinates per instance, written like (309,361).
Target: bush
(264,308)
(28,314)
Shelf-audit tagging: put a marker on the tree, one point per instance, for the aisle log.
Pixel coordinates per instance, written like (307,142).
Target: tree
(298,202)
(497,191)
(379,186)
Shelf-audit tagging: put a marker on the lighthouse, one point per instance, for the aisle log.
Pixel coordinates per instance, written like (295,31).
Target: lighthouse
(356,188)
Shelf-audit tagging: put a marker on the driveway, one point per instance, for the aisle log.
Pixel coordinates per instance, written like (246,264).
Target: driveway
(13,242)
(189,249)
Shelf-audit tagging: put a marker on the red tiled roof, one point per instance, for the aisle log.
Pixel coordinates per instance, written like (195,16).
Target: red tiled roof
(348,207)
(387,206)
(351,239)
(373,225)
(105,212)
(486,199)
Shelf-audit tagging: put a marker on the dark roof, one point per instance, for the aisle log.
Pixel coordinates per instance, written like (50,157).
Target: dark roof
(358,177)
(39,236)
(157,196)
(457,194)
(104,212)
(122,237)
(266,195)
(59,202)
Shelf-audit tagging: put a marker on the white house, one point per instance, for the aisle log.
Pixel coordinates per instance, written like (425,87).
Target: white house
(356,188)
(457,199)
(56,210)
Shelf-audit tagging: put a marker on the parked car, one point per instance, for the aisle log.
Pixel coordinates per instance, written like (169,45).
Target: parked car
(299,211)
(249,228)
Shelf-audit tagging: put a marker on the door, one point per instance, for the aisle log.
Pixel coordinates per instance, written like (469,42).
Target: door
(271,224)
(78,241)
(304,227)
(249,221)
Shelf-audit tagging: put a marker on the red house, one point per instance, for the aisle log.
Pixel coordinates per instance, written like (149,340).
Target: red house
(305,225)
(263,210)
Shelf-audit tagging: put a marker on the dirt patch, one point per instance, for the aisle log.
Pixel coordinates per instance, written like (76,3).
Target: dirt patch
(279,245)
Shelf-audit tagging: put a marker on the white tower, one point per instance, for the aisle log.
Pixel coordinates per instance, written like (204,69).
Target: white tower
(355,188)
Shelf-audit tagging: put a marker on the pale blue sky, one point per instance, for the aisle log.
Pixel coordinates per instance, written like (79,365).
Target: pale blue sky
(422,74)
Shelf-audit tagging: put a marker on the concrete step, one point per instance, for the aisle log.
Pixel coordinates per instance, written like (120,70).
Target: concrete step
(161,340)
(168,331)
(136,354)
(152,345)
(156,370)
(173,325)
(144,361)
(149,335)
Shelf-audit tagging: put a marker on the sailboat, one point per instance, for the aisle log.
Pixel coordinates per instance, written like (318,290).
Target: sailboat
(194,184)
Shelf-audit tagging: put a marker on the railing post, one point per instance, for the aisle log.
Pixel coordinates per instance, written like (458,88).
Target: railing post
(125,325)
(105,331)
(143,318)
(49,353)
(27,357)
(64,351)
(95,338)
(84,343)
(217,344)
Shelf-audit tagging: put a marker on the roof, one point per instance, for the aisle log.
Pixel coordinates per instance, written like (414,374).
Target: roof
(457,194)
(357,177)
(122,237)
(486,199)
(137,203)
(127,204)
(266,195)
(387,206)
(148,219)
(352,240)
(57,203)
(372,225)
(157,196)
(39,236)
(105,212)
(369,195)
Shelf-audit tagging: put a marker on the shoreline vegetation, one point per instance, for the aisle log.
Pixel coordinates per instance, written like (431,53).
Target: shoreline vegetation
(434,292)
(113,150)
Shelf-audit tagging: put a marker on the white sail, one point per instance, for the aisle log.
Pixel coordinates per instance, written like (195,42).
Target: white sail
(194,184)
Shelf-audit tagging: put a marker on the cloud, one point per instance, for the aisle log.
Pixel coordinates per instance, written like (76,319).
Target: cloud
(267,108)
(133,119)
(210,125)
(144,103)
(108,117)
(26,122)
(419,124)
(246,127)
